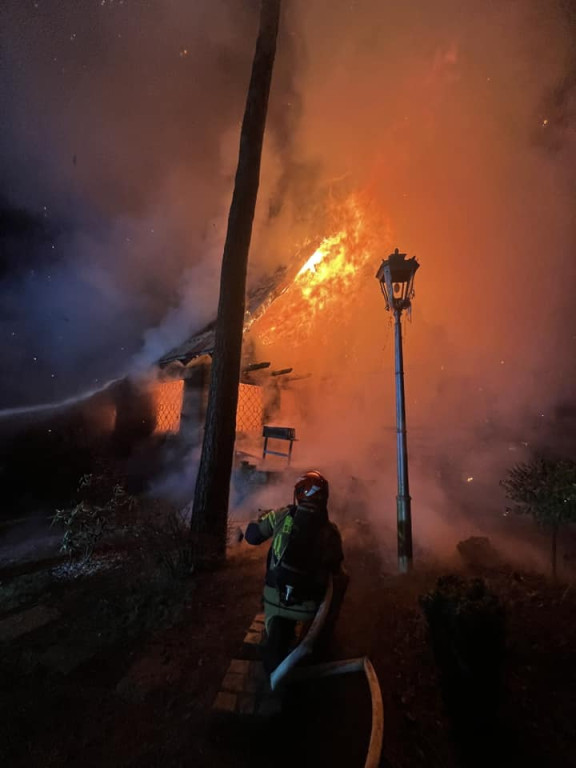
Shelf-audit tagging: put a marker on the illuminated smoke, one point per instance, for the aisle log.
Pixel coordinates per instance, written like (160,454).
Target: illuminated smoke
(441,116)
(57,405)
(452,122)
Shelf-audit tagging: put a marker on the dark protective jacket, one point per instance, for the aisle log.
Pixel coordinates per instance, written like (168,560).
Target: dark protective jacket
(327,557)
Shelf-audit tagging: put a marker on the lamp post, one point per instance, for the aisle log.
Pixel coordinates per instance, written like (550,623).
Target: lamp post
(396,278)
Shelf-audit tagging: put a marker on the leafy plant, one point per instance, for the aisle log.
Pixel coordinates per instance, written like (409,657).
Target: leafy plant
(164,537)
(154,531)
(546,489)
(103,505)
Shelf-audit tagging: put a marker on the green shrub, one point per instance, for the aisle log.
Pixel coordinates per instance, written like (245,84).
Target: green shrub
(163,536)
(152,530)
(103,507)
(546,489)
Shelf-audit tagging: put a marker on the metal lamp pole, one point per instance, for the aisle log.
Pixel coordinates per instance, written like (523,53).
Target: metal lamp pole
(396,277)
(403,500)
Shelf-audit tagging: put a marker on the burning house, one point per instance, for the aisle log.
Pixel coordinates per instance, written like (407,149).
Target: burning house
(280,335)
(294,316)
(180,396)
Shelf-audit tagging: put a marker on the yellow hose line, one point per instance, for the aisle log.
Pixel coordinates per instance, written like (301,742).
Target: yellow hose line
(286,673)
(377,731)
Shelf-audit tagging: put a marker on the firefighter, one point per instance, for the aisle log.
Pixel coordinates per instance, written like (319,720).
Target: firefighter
(305,548)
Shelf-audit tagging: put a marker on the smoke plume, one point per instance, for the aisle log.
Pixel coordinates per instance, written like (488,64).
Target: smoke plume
(116,124)
(456,121)
(453,122)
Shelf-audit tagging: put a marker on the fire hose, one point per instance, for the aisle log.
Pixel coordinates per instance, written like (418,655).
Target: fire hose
(286,673)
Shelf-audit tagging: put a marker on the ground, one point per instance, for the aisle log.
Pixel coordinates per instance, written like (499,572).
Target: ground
(93,674)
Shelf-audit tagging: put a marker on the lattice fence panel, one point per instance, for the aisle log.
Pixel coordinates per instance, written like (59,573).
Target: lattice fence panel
(168,399)
(250,413)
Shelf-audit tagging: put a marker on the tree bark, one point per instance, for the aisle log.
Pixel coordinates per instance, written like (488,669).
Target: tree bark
(211,496)
(554,550)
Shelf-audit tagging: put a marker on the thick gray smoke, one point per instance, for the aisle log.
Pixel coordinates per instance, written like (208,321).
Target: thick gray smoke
(454,120)
(117,121)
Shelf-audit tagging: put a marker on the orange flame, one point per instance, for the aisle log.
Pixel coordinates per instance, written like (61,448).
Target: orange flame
(325,281)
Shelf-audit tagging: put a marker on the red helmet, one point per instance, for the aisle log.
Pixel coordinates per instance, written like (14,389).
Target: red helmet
(311,486)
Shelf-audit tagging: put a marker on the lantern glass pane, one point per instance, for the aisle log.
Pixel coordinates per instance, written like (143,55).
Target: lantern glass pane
(396,277)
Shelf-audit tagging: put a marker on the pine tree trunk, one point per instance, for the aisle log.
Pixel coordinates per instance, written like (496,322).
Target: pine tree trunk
(211,496)
(554,550)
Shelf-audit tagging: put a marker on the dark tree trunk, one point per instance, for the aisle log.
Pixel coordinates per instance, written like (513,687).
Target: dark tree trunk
(554,550)
(210,509)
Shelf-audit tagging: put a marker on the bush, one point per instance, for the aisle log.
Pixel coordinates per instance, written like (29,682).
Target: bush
(467,631)
(163,536)
(103,507)
(155,531)
(546,489)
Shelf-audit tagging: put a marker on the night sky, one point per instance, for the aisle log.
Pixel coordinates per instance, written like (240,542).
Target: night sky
(113,181)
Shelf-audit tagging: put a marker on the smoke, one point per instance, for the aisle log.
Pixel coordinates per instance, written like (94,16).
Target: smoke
(456,121)
(116,170)
(453,120)
(52,407)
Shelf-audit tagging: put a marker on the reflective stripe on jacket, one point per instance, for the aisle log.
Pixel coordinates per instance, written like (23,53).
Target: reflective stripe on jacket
(277,524)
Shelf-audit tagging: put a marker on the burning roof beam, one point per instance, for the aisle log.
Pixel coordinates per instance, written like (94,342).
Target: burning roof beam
(256,367)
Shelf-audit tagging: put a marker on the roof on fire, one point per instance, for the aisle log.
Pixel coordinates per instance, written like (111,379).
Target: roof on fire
(260,298)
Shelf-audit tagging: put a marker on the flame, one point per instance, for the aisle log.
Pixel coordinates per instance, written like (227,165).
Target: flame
(316,257)
(327,279)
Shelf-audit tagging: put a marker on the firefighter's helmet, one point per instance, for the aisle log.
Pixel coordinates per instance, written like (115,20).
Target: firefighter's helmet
(311,487)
